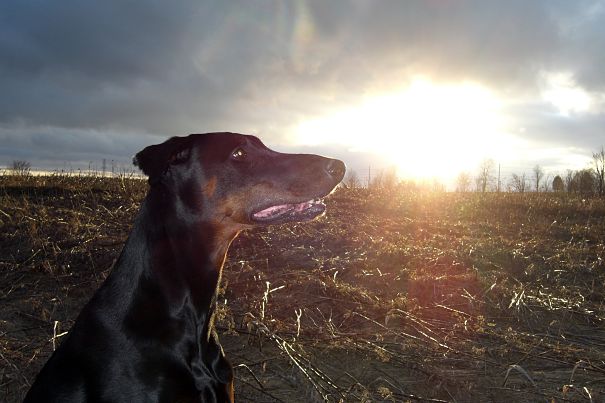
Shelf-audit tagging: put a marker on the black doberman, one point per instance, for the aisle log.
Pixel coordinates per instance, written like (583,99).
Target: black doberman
(147,334)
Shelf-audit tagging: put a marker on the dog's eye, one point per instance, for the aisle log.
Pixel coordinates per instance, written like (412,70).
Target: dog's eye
(238,154)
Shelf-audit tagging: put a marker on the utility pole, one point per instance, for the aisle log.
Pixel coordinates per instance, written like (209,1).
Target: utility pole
(369,176)
(498,178)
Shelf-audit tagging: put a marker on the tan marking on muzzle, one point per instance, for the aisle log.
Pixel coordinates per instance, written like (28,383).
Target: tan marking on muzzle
(210,188)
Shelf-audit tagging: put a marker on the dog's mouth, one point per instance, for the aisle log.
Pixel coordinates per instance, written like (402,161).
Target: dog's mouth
(281,213)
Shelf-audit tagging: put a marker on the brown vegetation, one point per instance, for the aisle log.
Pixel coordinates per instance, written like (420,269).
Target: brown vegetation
(389,297)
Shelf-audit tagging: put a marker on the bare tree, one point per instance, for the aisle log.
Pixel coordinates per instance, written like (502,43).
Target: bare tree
(538,175)
(569,182)
(376,182)
(437,186)
(598,160)
(547,183)
(485,177)
(21,168)
(463,182)
(352,180)
(389,178)
(557,184)
(518,183)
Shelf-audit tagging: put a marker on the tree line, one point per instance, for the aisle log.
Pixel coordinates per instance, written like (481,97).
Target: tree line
(587,181)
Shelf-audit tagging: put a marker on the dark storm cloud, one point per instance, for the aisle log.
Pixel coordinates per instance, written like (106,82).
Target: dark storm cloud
(583,50)
(552,129)
(105,41)
(75,73)
(107,64)
(57,147)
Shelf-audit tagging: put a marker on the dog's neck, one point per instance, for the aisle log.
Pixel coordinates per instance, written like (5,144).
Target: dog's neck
(177,266)
(187,258)
(163,290)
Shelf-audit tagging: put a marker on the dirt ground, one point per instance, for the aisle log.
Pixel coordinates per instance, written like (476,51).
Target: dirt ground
(391,296)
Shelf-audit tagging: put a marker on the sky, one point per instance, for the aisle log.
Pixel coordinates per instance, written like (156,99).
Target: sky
(427,87)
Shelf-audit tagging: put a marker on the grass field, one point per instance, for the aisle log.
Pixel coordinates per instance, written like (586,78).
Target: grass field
(389,297)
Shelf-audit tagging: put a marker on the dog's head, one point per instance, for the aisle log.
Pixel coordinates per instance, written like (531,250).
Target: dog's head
(235,177)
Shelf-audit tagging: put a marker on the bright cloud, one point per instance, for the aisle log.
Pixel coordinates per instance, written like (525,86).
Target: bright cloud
(561,91)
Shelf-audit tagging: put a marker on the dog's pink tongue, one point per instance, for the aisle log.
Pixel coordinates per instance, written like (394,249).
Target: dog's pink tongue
(302,206)
(283,208)
(271,211)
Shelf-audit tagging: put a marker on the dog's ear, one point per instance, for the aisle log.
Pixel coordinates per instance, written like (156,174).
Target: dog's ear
(156,159)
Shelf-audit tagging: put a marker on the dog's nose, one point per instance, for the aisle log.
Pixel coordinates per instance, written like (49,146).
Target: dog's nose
(336,169)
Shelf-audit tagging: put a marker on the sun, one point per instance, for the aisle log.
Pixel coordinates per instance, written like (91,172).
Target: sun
(426,130)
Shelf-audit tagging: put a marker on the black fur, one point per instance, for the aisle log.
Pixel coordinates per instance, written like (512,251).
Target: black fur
(147,334)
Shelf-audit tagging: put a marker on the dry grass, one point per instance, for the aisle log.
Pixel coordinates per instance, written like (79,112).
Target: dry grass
(390,297)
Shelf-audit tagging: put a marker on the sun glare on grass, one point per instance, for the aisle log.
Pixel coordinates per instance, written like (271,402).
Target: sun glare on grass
(426,130)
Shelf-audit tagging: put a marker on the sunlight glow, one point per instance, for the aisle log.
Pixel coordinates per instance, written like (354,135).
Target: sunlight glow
(425,130)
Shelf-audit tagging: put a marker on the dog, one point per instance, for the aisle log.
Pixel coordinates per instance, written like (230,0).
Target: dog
(147,334)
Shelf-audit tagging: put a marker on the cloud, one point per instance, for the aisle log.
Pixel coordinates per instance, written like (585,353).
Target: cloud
(86,70)
(53,147)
